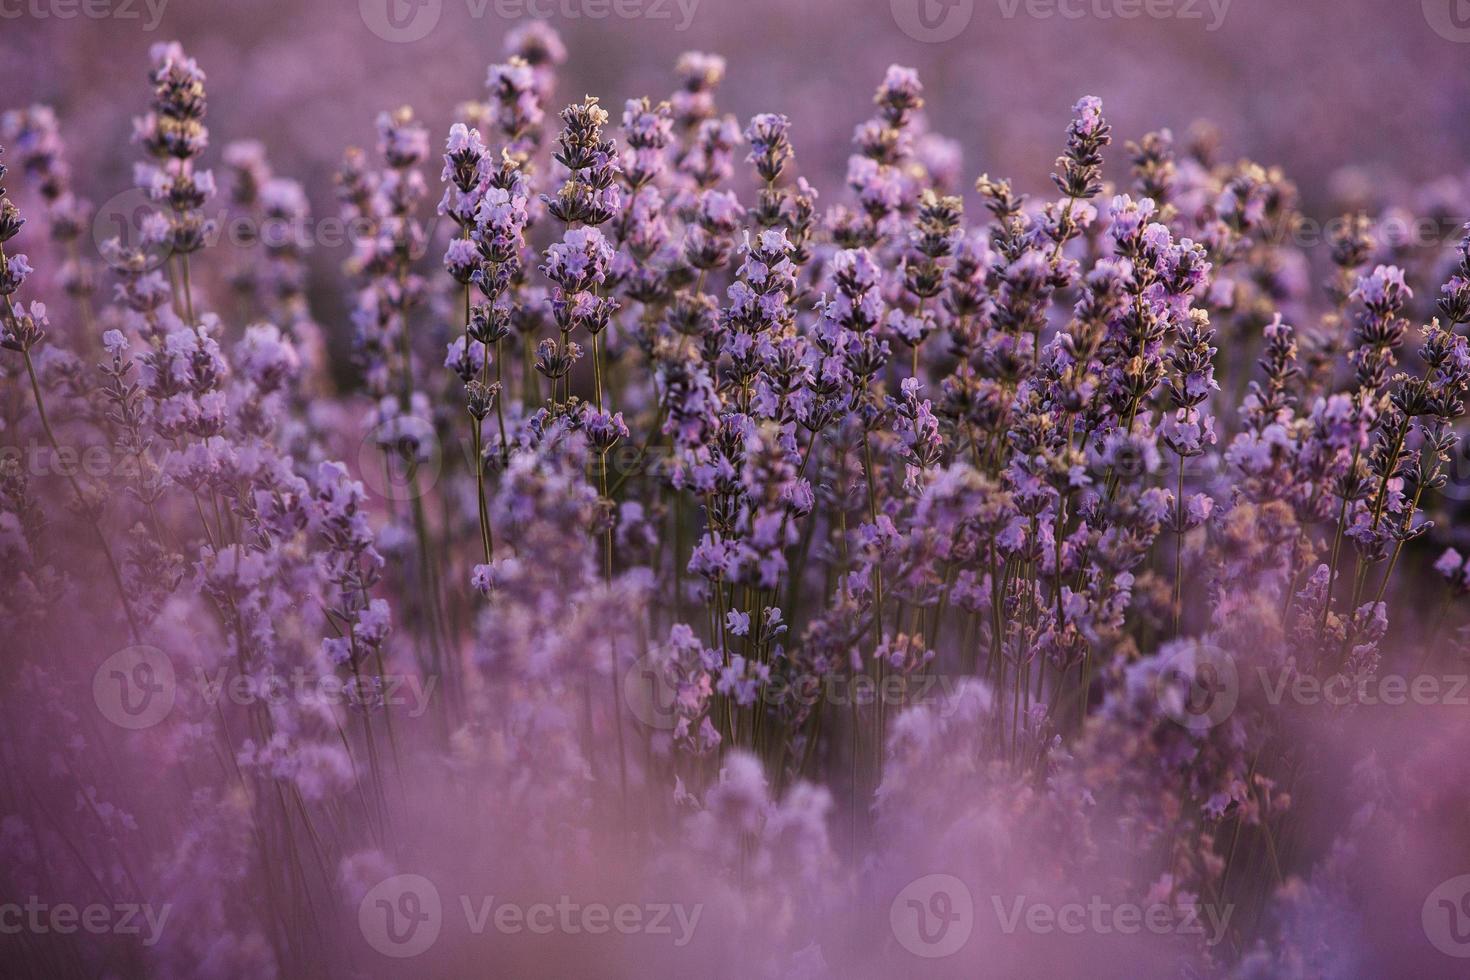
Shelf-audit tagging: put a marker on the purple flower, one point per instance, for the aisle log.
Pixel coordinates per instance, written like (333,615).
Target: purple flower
(737,622)
(579,261)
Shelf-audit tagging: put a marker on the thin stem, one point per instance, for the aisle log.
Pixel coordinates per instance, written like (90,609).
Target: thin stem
(1336,553)
(81,498)
(500,407)
(1179,550)
(188,291)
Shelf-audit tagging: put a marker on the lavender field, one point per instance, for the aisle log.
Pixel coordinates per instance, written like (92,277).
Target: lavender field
(696,488)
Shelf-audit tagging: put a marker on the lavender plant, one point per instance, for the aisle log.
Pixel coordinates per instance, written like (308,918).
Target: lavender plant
(745,552)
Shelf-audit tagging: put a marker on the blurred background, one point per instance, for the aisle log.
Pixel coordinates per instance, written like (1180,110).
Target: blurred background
(1309,84)
(1362,102)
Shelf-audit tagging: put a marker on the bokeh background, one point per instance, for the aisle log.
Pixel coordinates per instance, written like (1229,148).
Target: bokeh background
(1308,84)
(1361,102)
